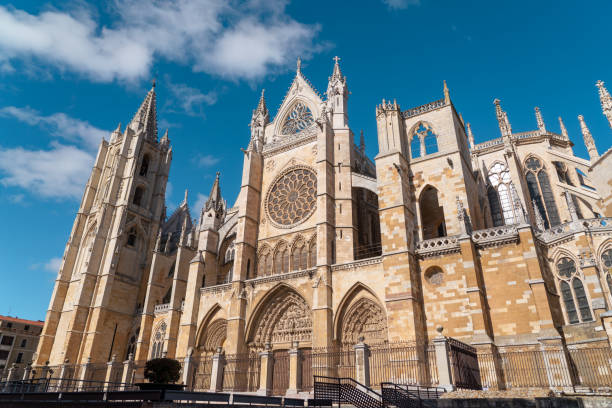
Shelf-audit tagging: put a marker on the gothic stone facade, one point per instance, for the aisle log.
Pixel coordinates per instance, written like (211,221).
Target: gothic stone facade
(503,243)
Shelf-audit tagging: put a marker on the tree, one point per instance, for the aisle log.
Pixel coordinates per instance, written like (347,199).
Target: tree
(162,370)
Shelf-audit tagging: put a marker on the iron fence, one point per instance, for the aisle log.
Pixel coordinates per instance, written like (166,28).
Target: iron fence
(326,361)
(55,385)
(368,251)
(464,365)
(280,372)
(401,363)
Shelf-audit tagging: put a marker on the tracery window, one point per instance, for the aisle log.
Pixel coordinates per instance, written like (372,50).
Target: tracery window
(299,256)
(292,198)
(312,253)
(264,263)
(573,293)
(501,198)
(281,260)
(606,258)
(298,119)
(541,192)
(423,142)
(157,347)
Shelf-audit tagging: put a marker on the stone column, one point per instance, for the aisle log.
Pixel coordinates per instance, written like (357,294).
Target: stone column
(27,371)
(445,377)
(111,368)
(187,368)
(12,373)
(128,369)
(64,375)
(362,362)
(85,373)
(295,369)
(265,373)
(216,373)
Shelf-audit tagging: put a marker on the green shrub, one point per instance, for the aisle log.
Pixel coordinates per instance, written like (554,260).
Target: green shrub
(162,370)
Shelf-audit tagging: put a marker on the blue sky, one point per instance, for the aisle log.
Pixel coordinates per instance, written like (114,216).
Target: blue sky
(71,71)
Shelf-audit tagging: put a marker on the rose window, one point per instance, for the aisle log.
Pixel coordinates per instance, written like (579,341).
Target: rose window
(298,119)
(292,197)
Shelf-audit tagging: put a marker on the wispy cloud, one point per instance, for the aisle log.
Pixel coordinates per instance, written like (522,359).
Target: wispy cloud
(58,173)
(199,204)
(52,265)
(401,4)
(190,100)
(238,40)
(206,160)
(60,125)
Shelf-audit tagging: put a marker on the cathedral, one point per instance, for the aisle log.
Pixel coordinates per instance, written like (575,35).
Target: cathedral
(502,245)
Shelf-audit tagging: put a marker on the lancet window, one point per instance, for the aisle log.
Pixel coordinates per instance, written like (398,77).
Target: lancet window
(312,253)
(432,214)
(138,195)
(281,259)
(541,192)
(299,256)
(501,195)
(144,166)
(572,290)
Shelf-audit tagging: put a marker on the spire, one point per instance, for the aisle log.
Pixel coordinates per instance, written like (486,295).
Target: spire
(214,198)
(540,120)
(165,141)
(183,237)
(563,129)
(337,73)
(446,94)
(186,197)
(116,135)
(145,118)
(606,101)
(259,120)
(588,139)
(261,106)
(470,136)
(298,69)
(361,142)
(502,119)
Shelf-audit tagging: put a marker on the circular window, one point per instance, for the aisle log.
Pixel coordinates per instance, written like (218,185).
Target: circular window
(292,197)
(434,275)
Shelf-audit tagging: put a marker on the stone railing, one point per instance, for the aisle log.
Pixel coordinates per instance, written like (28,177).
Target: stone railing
(285,142)
(495,236)
(163,308)
(566,230)
(438,246)
(283,276)
(216,288)
(489,143)
(428,107)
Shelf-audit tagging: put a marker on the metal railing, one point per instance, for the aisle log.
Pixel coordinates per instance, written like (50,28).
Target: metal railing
(348,391)
(38,385)
(399,363)
(368,251)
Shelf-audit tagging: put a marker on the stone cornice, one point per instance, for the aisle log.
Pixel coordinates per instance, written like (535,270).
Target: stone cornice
(356,264)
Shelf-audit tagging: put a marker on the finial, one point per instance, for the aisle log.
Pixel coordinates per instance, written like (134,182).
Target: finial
(606,101)
(470,136)
(186,195)
(589,142)
(153,83)
(118,130)
(540,120)
(446,93)
(299,65)
(563,129)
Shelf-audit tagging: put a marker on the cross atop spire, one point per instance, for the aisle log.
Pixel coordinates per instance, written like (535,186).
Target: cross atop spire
(337,73)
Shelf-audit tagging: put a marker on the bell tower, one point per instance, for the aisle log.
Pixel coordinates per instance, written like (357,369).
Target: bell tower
(102,278)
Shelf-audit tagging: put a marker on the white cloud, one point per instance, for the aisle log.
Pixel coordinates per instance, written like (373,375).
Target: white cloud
(230,39)
(53,265)
(199,204)
(401,4)
(60,172)
(60,124)
(206,160)
(191,100)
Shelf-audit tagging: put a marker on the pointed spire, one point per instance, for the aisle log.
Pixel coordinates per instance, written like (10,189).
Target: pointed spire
(165,141)
(538,217)
(563,129)
(337,73)
(298,69)
(502,119)
(588,139)
(361,142)
(606,101)
(185,198)
(145,118)
(214,198)
(116,135)
(446,94)
(470,136)
(540,120)
(261,106)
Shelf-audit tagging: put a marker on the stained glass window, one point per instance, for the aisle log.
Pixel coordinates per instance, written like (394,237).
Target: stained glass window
(574,296)
(292,197)
(298,119)
(500,201)
(495,206)
(583,302)
(541,192)
(568,300)
(415,147)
